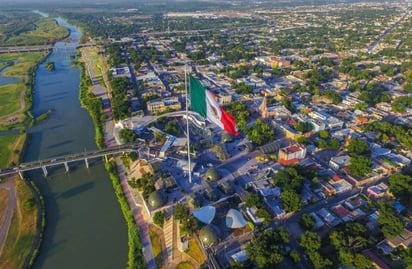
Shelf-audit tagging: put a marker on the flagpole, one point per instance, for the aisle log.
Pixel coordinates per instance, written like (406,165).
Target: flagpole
(187,127)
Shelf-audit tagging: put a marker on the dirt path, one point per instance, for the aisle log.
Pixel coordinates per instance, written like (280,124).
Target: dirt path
(10,186)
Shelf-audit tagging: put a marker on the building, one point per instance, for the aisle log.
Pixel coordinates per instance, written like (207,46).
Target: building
(279,62)
(377,191)
(289,131)
(273,111)
(292,154)
(158,106)
(338,162)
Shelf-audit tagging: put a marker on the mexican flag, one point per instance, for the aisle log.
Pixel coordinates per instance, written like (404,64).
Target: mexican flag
(204,102)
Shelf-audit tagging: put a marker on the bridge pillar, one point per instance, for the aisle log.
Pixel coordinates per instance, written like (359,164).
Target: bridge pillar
(86,162)
(66,165)
(45,173)
(105,157)
(21,175)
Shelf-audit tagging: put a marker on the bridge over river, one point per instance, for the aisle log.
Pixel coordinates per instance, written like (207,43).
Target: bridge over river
(66,159)
(16,49)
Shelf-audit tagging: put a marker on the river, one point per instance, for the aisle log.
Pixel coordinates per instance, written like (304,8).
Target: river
(84,224)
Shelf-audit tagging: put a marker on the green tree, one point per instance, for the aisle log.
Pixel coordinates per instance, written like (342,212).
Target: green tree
(180,212)
(392,224)
(291,201)
(263,213)
(318,261)
(266,250)
(172,128)
(310,241)
(303,126)
(254,200)
(334,143)
(307,222)
(302,140)
(127,135)
(360,166)
(294,255)
(289,179)
(361,261)
(240,112)
(358,146)
(260,133)
(401,186)
(158,218)
(324,134)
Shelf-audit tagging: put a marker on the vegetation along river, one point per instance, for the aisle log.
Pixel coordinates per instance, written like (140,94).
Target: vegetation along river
(84,225)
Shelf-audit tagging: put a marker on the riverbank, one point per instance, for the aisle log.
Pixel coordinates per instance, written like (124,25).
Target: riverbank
(135,255)
(22,230)
(23,238)
(94,106)
(16,99)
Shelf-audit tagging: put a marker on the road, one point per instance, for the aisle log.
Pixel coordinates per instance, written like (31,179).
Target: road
(10,186)
(375,43)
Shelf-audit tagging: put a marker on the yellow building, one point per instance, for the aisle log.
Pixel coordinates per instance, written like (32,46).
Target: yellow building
(158,106)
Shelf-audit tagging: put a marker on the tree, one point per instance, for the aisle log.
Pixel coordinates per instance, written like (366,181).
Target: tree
(302,140)
(360,166)
(361,261)
(254,200)
(127,135)
(242,88)
(263,213)
(358,146)
(240,112)
(158,218)
(294,254)
(310,241)
(324,134)
(392,224)
(291,201)
(289,179)
(334,143)
(307,222)
(171,127)
(180,212)
(318,261)
(401,186)
(260,133)
(266,251)
(303,126)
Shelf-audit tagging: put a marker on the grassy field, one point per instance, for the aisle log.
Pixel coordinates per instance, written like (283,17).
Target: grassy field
(24,62)
(185,265)
(31,30)
(12,102)
(10,98)
(4,199)
(156,246)
(95,58)
(195,251)
(10,147)
(22,231)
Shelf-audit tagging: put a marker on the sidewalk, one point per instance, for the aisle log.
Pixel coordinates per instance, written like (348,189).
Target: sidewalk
(139,216)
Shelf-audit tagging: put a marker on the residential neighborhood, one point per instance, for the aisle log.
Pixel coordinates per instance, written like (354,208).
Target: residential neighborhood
(322,140)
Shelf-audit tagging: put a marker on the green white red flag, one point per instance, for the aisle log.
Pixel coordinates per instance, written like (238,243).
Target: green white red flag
(203,102)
